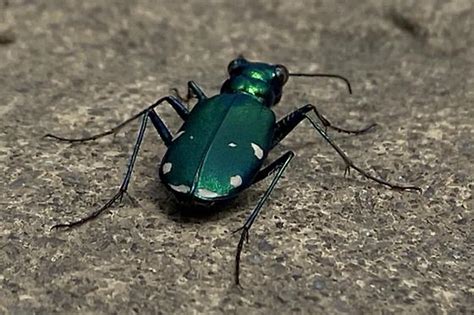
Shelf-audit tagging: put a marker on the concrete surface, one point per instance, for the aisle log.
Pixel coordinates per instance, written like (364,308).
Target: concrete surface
(324,244)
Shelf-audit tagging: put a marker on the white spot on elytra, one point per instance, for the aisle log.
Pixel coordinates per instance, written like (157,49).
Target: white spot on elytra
(191,137)
(180,188)
(232,145)
(207,193)
(176,136)
(236,181)
(257,150)
(167,168)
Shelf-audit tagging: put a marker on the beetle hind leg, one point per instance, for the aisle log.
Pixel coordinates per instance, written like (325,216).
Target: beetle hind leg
(278,167)
(350,164)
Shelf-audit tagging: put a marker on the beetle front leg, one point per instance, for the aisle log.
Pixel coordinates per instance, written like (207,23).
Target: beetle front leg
(194,90)
(279,167)
(177,105)
(289,122)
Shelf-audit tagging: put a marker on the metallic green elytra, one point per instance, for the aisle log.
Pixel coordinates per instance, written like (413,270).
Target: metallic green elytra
(223,142)
(221,146)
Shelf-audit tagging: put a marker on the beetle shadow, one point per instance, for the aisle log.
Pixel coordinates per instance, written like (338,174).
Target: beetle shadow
(189,213)
(181,212)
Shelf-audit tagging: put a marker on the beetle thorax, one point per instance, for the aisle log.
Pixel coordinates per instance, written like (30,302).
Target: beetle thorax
(260,89)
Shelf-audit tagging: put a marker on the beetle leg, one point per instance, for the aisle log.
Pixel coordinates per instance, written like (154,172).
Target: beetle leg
(289,122)
(194,90)
(177,105)
(123,187)
(279,167)
(160,126)
(193,87)
(327,124)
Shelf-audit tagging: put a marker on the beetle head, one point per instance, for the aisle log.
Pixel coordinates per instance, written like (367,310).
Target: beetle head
(262,80)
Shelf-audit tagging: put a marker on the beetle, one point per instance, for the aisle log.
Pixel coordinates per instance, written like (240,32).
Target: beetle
(224,140)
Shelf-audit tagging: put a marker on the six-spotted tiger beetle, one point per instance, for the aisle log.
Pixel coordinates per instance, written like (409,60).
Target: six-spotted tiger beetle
(220,149)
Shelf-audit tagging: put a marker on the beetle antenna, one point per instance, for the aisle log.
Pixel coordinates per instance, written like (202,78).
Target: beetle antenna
(326,75)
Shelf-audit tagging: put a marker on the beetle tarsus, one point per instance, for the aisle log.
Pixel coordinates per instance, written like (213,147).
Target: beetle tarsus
(347,170)
(91,216)
(243,237)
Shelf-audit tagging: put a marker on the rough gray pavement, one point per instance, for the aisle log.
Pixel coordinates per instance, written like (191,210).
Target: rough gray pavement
(323,244)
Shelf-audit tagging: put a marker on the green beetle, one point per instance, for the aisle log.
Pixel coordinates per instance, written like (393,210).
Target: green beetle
(222,144)
(220,149)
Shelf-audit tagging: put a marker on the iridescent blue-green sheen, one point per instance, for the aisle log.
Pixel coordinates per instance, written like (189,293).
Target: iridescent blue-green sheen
(217,146)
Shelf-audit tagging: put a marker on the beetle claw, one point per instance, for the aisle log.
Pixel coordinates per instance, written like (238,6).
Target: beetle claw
(60,225)
(238,230)
(245,232)
(347,171)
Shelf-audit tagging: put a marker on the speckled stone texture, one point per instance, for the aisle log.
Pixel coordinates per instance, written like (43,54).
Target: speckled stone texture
(324,244)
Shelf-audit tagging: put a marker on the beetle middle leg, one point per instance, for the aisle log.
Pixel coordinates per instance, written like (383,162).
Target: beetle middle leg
(279,167)
(165,135)
(177,105)
(289,122)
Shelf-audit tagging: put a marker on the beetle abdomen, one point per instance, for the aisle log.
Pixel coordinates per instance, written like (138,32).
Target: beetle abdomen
(220,148)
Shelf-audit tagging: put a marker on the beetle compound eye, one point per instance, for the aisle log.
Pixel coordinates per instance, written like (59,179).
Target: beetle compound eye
(235,64)
(281,73)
